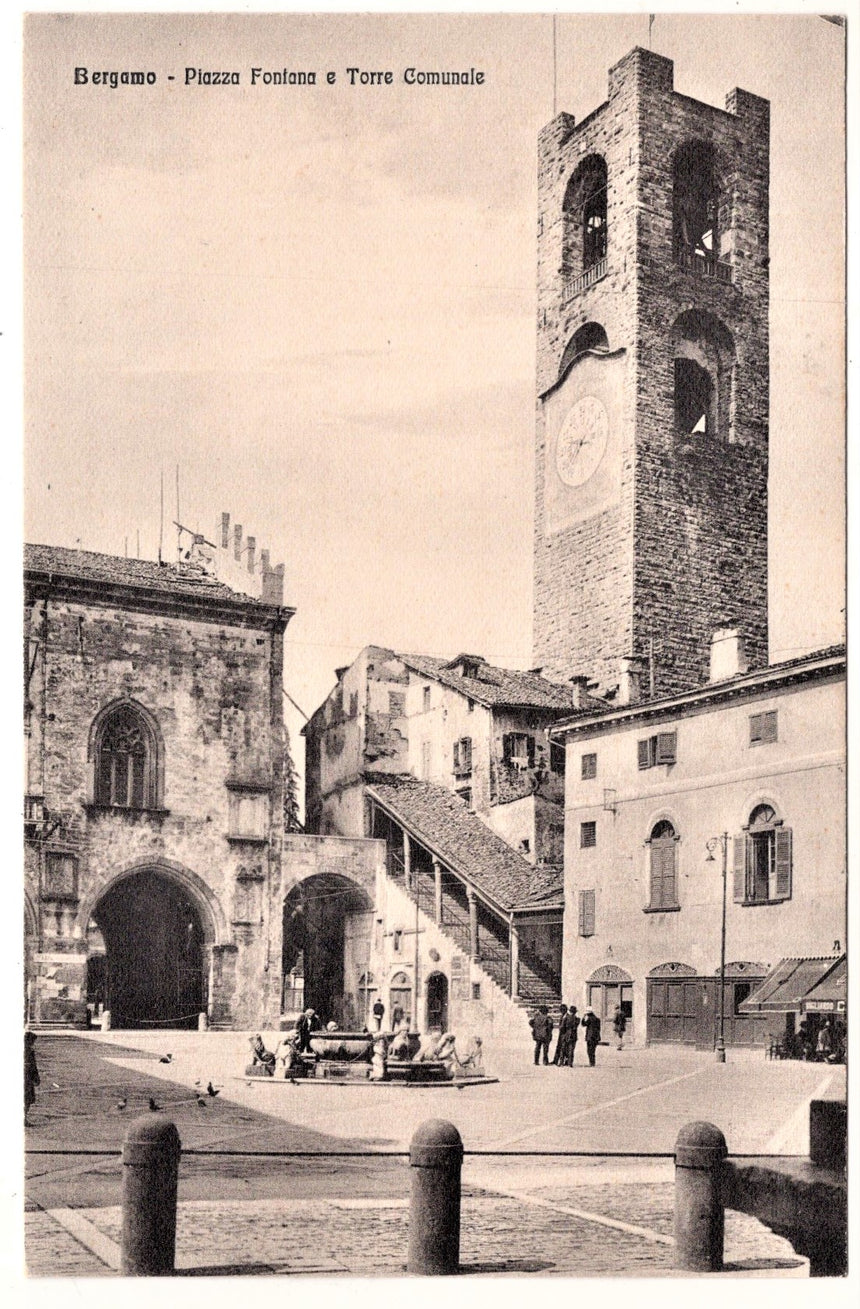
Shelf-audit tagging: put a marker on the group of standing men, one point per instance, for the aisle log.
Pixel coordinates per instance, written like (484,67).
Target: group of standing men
(568,1034)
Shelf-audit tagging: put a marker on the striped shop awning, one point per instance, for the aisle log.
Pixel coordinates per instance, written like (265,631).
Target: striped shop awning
(789,984)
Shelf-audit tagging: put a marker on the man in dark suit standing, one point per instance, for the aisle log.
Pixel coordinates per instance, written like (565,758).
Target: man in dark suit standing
(541,1025)
(572,1035)
(591,1031)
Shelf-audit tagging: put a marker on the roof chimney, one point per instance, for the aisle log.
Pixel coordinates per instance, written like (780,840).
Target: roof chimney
(579,682)
(728,657)
(629,681)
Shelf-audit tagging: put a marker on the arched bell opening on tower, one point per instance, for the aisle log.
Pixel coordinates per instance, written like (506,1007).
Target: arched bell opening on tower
(703,359)
(695,205)
(585,219)
(591,336)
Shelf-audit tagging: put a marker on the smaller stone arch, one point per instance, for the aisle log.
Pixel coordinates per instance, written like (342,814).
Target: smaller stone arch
(704,356)
(589,338)
(585,217)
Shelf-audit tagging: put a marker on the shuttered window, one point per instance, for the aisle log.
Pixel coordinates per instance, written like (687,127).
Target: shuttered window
(588,835)
(663,867)
(763,727)
(589,767)
(586,913)
(762,860)
(659,749)
(518,749)
(463,755)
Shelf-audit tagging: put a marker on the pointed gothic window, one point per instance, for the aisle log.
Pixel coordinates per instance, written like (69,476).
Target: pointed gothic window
(126,760)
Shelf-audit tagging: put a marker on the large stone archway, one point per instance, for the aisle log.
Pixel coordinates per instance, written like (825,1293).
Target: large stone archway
(158,922)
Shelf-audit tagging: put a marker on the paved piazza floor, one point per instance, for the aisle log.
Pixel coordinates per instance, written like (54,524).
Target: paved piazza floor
(523,1212)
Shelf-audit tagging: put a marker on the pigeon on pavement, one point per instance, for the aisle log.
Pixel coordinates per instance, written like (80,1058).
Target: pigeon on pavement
(122,1103)
(201,1103)
(153,1106)
(213,1090)
(165,1058)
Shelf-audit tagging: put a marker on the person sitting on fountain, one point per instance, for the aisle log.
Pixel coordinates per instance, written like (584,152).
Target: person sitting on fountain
(260,1055)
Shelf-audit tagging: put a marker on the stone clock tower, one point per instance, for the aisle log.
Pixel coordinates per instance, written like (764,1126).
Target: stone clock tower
(652,413)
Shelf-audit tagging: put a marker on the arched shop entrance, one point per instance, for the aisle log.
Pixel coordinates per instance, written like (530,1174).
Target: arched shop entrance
(607,987)
(327,934)
(152,973)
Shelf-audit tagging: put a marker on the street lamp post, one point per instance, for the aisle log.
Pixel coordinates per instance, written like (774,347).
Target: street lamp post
(711,845)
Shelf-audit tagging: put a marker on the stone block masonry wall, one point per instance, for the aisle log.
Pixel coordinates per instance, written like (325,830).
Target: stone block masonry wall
(684,549)
(213,689)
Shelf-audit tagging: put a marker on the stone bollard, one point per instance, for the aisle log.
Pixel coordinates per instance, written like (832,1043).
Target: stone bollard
(105,1020)
(202,1023)
(150,1156)
(699,1214)
(828,1130)
(436,1158)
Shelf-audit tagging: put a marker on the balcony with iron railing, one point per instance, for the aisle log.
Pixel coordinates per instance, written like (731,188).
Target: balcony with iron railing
(590,275)
(703,265)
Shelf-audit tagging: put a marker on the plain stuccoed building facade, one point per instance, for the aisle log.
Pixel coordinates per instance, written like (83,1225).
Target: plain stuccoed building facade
(755,758)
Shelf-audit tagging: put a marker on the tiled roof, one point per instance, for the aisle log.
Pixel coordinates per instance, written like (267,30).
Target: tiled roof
(497,687)
(755,680)
(441,820)
(179,579)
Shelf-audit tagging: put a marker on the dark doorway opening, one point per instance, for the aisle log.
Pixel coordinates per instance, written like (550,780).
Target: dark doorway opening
(152,974)
(327,921)
(437,1002)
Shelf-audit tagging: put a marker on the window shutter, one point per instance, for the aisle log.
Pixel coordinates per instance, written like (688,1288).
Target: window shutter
(667,747)
(755,728)
(769,726)
(740,869)
(466,753)
(783,863)
(456,755)
(586,913)
(506,747)
(644,751)
(530,750)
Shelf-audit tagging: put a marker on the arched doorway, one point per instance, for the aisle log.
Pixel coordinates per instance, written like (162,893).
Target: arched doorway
(327,925)
(153,971)
(608,987)
(437,1002)
(399,999)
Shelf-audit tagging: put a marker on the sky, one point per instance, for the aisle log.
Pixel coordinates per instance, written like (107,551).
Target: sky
(319,304)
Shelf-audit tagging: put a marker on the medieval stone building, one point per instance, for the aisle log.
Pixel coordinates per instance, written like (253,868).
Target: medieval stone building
(154,789)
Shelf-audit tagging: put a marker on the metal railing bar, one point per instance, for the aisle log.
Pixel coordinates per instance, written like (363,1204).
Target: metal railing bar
(404,1154)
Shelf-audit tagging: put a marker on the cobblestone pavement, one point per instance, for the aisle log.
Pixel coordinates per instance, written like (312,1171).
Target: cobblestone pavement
(549,1215)
(368,1237)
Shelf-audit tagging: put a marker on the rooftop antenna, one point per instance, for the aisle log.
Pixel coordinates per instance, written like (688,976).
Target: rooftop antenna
(178,519)
(161,514)
(554,67)
(138,544)
(650,26)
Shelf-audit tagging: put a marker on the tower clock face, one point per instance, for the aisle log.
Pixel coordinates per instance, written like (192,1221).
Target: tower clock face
(581,441)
